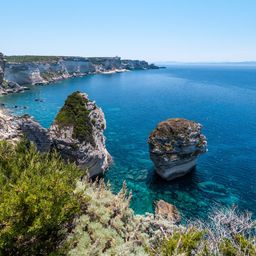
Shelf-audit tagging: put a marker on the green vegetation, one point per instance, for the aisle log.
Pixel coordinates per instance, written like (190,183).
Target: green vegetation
(5,84)
(46,209)
(101,60)
(31,58)
(74,113)
(48,76)
(36,199)
(108,226)
(182,243)
(240,246)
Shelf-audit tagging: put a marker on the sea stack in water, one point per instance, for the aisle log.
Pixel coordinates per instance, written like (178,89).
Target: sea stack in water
(77,133)
(174,146)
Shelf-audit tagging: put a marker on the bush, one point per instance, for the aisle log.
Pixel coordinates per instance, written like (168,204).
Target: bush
(74,113)
(182,243)
(239,246)
(36,199)
(44,210)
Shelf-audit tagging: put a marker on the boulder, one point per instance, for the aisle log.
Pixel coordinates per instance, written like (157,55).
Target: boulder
(174,146)
(167,211)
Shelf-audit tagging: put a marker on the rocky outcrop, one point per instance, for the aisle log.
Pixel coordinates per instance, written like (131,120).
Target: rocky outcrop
(137,65)
(8,87)
(167,211)
(76,133)
(174,146)
(35,133)
(9,127)
(2,65)
(13,128)
(42,69)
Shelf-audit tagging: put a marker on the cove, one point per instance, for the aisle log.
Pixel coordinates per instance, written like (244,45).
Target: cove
(221,97)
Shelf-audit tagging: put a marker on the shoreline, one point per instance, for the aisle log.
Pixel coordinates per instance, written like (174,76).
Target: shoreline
(18,72)
(21,89)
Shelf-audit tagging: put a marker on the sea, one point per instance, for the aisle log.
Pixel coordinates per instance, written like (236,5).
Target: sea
(222,97)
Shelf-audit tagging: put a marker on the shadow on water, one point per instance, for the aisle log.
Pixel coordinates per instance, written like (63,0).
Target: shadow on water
(192,198)
(154,181)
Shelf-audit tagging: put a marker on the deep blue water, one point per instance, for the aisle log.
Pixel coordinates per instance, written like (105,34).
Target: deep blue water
(222,98)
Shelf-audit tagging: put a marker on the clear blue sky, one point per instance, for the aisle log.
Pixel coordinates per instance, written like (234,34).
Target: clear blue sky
(155,30)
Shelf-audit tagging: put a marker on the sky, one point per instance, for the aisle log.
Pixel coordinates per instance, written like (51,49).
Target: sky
(153,30)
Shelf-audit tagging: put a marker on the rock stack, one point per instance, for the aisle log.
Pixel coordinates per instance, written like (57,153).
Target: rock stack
(174,146)
(76,133)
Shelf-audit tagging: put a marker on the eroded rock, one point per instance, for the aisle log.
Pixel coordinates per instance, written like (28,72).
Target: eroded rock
(167,211)
(77,133)
(174,146)
(35,133)
(9,127)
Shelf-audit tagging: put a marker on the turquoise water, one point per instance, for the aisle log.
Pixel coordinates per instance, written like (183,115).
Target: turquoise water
(222,98)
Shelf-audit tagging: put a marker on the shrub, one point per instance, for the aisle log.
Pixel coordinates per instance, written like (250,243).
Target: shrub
(44,210)
(181,243)
(37,199)
(74,113)
(108,226)
(239,246)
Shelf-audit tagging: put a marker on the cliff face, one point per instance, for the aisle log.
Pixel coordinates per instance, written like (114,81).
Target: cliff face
(137,65)
(2,64)
(5,85)
(76,133)
(45,72)
(42,70)
(174,146)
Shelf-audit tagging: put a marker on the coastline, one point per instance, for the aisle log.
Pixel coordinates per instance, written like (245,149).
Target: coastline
(20,89)
(17,72)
